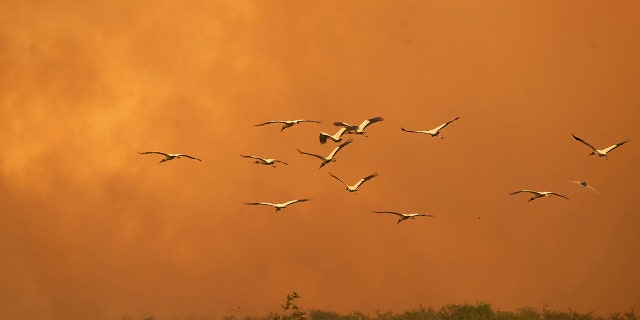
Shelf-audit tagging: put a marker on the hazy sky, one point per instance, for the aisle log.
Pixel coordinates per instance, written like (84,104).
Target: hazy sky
(91,229)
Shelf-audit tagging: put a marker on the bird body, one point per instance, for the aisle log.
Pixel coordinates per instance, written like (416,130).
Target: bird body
(169,156)
(278,206)
(354,187)
(263,161)
(336,137)
(331,156)
(599,152)
(359,129)
(539,194)
(433,132)
(405,216)
(584,184)
(287,123)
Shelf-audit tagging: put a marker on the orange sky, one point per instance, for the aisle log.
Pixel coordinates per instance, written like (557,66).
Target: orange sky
(91,229)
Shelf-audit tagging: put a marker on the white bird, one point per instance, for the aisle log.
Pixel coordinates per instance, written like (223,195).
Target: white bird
(278,206)
(585,184)
(354,187)
(539,194)
(601,152)
(360,128)
(287,123)
(405,216)
(433,132)
(169,156)
(331,156)
(267,162)
(336,137)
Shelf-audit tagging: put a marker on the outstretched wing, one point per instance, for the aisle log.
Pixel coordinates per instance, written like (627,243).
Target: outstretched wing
(341,124)
(333,153)
(559,195)
(294,201)
(270,122)
(305,120)
(311,154)
(155,152)
(252,157)
(445,124)
(588,145)
(391,212)
(419,215)
(368,122)
(339,179)
(188,156)
(276,160)
(529,191)
(260,204)
(371,176)
(592,189)
(413,131)
(614,146)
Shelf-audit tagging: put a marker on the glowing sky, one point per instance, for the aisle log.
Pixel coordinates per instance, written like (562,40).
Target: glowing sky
(91,229)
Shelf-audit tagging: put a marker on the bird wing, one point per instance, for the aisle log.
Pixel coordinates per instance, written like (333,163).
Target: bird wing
(188,156)
(252,157)
(323,137)
(614,146)
(294,201)
(305,120)
(590,146)
(156,152)
(445,124)
(276,160)
(413,131)
(530,191)
(339,179)
(368,122)
(333,153)
(341,124)
(260,203)
(419,215)
(371,176)
(270,122)
(311,154)
(592,189)
(559,195)
(391,212)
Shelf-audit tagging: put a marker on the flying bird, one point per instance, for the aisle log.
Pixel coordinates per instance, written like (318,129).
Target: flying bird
(287,123)
(585,184)
(331,156)
(405,216)
(169,156)
(267,162)
(278,206)
(601,152)
(539,194)
(433,132)
(354,187)
(336,137)
(360,128)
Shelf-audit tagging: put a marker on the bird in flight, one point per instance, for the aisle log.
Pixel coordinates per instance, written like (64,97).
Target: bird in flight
(336,137)
(287,123)
(600,152)
(354,187)
(539,194)
(584,184)
(278,206)
(169,156)
(405,216)
(331,156)
(357,129)
(267,162)
(433,132)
